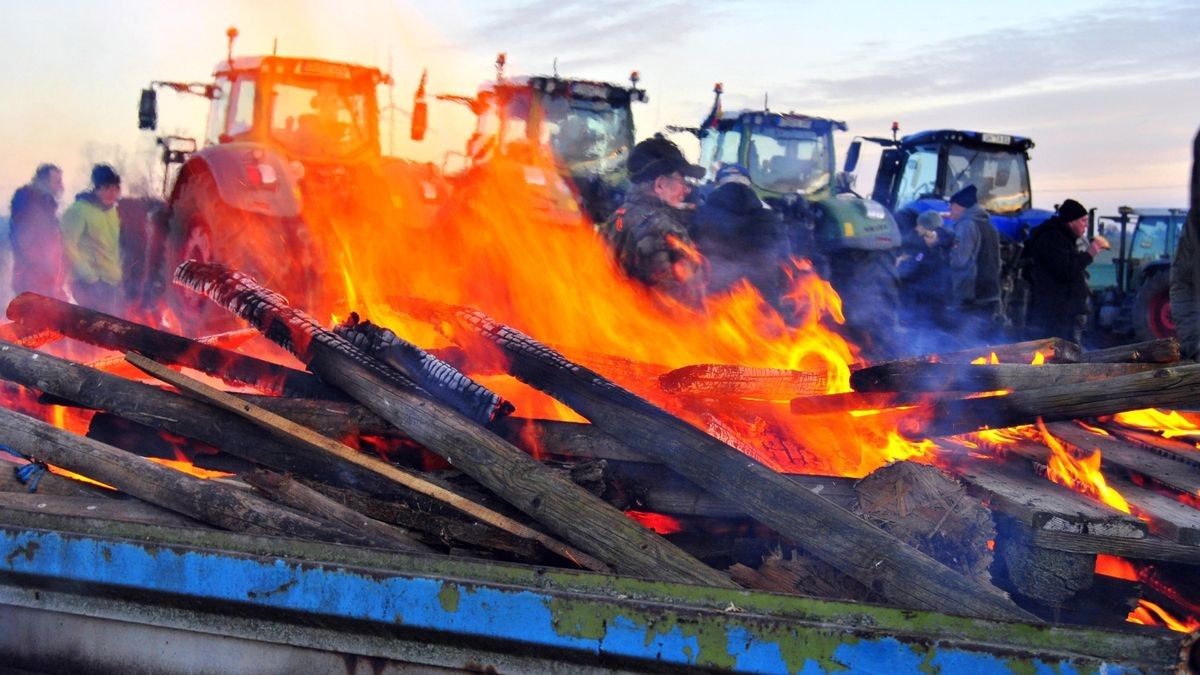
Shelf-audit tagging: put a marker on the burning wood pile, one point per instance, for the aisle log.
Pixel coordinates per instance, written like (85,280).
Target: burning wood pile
(385,444)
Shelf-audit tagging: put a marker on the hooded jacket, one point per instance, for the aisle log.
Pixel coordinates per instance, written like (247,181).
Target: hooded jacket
(91,240)
(36,238)
(742,239)
(975,259)
(1185,269)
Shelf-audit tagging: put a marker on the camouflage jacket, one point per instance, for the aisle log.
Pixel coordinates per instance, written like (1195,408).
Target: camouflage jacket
(651,243)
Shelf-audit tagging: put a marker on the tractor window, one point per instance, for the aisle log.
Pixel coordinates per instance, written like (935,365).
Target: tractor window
(242,106)
(919,178)
(319,117)
(588,137)
(789,160)
(718,149)
(1150,240)
(216,113)
(1002,177)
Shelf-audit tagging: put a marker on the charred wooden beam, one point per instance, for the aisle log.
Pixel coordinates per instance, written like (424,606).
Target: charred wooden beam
(1170,387)
(206,501)
(723,380)
(1053,350)
(318,444)
(897,571)
(1152,351)
(861,400)
(569,511)
(25,336)
(937,377)
(432,374)
(104,330)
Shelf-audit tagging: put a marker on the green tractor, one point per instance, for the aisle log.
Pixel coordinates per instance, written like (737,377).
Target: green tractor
(291,148)
(1131,282)
(792,166)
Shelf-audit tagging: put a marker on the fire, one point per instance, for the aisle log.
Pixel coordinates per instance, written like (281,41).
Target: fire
(1038,359)
(986,360)
(1113,566)
(184,466)
(1169,423)
(656,521)
(1149,614)
(1081,474)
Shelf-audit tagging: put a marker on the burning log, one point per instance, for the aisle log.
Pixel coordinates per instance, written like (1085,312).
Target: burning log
(319,444)
(838,537)
(1053,350)
(864,400)
(1171,387)
(104,330)
(206,501)
(286,490)
(28,337)
(938,377)
(1180,476)
(1152,351)
(571,512)
(721,380)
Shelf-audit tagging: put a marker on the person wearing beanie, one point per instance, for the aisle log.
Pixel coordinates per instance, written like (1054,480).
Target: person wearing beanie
(974,267)
(1057,256)
(649,232)
(1185,270)
(91,241)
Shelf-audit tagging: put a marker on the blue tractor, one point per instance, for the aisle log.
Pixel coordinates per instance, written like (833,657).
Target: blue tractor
(920,172)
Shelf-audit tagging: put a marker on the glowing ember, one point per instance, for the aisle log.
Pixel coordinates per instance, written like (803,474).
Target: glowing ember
(1113,566)
(1079,474)
(1169,423)
(656,521)
(1149,614)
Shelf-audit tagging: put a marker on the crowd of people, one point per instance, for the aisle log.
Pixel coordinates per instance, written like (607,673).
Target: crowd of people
(950,271)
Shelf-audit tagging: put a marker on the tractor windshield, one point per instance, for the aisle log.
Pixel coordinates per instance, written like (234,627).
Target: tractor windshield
(786,159)
(321,118)
(588,137)
(1000,176)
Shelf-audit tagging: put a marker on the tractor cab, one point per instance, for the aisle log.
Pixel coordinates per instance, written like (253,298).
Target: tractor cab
(1130,282)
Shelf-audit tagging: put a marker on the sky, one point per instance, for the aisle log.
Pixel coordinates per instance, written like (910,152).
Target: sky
(1107,90)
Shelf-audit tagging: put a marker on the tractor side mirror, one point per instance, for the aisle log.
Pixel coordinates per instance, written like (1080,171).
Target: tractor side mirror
(148,110)
(420,120)
(852,156)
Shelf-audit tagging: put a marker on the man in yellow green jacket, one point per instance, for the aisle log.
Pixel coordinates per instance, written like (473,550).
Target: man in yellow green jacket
(91,242)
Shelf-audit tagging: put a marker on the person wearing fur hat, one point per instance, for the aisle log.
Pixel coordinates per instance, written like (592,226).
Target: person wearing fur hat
(1058,256)
(974,266)
(1185,270)
(91,241)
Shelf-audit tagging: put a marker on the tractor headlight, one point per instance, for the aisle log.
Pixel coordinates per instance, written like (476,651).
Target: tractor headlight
(874,209)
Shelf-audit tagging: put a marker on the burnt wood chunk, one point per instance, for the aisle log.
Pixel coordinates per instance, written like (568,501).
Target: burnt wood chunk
(722,380)
(937,377)
(569,511)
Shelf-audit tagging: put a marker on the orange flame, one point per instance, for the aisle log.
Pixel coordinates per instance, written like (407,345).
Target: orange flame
(1167,423)
(1038,359)
(184,466)
(986,360)
(1113,566)
(1149,614)
(1079,474)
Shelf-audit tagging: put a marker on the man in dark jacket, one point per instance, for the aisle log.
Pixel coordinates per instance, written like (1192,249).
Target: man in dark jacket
(36,234)
(924,274)
(1058,257)
(649,233)
(741,238)
(974,266)
(1185,270)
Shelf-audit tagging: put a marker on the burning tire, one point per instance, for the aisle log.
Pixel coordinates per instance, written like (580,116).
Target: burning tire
(274,250)
(1152,307)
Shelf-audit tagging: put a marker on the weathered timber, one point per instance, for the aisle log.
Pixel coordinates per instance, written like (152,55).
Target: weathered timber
(897,571)
(104,330)
(723,380)
(1182,477)
(1168,387)
(801,575)
(1047,576)
(936,377)
(1152,351)
(1040,504)
(566,509)
(286,490)
(161,409)
(450,531)
(206,501)
(100,508)
(1171,448)
(1053,350)
(1150,548)
(317,443)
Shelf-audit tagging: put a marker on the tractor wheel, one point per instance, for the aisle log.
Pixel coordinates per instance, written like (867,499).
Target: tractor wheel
(275,251)
(1152,308)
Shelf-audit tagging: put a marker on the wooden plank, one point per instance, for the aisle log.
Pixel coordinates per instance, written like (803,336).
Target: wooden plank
(320,444)
(1150,548)
(1171,448)
(1036,502)
(1117,452)
(938,377)
(123,510)
(1054,350)
(1152,351)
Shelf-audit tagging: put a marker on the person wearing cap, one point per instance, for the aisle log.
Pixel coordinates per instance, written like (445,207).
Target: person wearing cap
(36,235)
(649,234)
(1185,270)
(741,238)
(91,241)
(974,266)
(1057,257)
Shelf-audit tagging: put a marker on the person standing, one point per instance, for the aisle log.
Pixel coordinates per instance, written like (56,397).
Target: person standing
(1185,270)
(91,238)
(36,235)
(974,266)
(1058,256)
(649,233)
(924,275)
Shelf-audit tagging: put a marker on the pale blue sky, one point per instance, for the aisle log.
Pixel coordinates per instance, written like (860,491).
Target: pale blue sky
(1108,90)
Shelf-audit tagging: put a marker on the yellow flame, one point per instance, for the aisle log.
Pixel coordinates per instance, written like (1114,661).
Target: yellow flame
(188,468)
(1038,359)
(1168,423)
(1149,614)
(1080,474)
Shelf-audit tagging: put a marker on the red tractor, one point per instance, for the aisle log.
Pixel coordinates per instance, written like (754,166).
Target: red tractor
(291,151)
